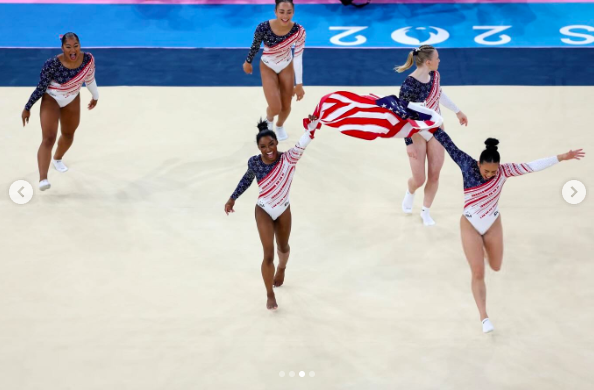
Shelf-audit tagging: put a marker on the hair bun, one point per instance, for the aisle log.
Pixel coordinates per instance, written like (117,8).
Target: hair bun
(262,125)
(491,143)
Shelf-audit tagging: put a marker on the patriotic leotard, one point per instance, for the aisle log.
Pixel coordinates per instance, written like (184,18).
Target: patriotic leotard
(277,49)
(274,180)
(63,84)
(430,94)
(481,196)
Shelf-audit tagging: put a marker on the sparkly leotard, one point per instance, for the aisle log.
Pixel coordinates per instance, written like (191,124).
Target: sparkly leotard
(430,94)
(481,196)
(63,84)
(274,180)
(277,49)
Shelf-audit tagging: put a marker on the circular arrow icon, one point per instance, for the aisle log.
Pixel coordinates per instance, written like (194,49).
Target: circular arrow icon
(20,192)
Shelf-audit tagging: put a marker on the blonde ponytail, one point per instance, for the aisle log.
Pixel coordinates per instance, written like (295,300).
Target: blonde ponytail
(409,62)
(416,56)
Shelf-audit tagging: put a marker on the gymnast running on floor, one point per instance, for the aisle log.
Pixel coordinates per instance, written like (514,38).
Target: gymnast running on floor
(424,86)
(59,87)
(480,225)
(274,171)
(280,69)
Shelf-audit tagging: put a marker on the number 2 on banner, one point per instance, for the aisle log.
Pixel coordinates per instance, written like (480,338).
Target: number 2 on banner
(503,39)
(359,39)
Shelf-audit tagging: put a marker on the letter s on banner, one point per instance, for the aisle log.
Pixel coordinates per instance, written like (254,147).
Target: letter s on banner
(480,39)
(359,39)
(587,38)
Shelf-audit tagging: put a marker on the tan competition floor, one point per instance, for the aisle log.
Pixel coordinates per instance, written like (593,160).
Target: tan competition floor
(127,274)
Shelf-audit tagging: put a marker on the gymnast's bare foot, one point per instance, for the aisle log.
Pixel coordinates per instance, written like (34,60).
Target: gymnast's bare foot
(271,302)
(279,277)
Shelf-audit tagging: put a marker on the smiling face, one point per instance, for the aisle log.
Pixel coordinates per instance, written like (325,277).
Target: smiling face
(284,13)
(488,169)
(267,146)
(71,49)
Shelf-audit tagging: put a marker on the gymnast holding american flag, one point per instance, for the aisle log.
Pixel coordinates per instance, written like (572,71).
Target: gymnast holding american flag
(423,85)
(370,117)
(366,117)
(274,172)
(480,224)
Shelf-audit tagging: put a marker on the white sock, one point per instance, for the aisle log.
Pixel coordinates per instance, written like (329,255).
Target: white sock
(59,165)
(427,220)
(270,124)
(281,134)
(44,185)
(487,326)
(407,203)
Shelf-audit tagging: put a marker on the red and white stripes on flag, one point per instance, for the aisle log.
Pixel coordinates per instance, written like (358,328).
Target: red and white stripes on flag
(370,117)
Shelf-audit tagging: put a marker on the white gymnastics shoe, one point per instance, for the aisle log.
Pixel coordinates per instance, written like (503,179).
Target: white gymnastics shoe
(44,185)
(487,326)
(59,165)
(407,203)
(281,134)
(427,220)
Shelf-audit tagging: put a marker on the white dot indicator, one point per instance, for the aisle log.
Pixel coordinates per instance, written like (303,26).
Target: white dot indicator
(312,374)
(291,374)
(302,373)
(281,374)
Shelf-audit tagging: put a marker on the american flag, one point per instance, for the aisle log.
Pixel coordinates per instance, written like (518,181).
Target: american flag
(370,117)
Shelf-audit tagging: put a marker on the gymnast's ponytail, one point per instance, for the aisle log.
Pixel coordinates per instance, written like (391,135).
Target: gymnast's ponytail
(416,56)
